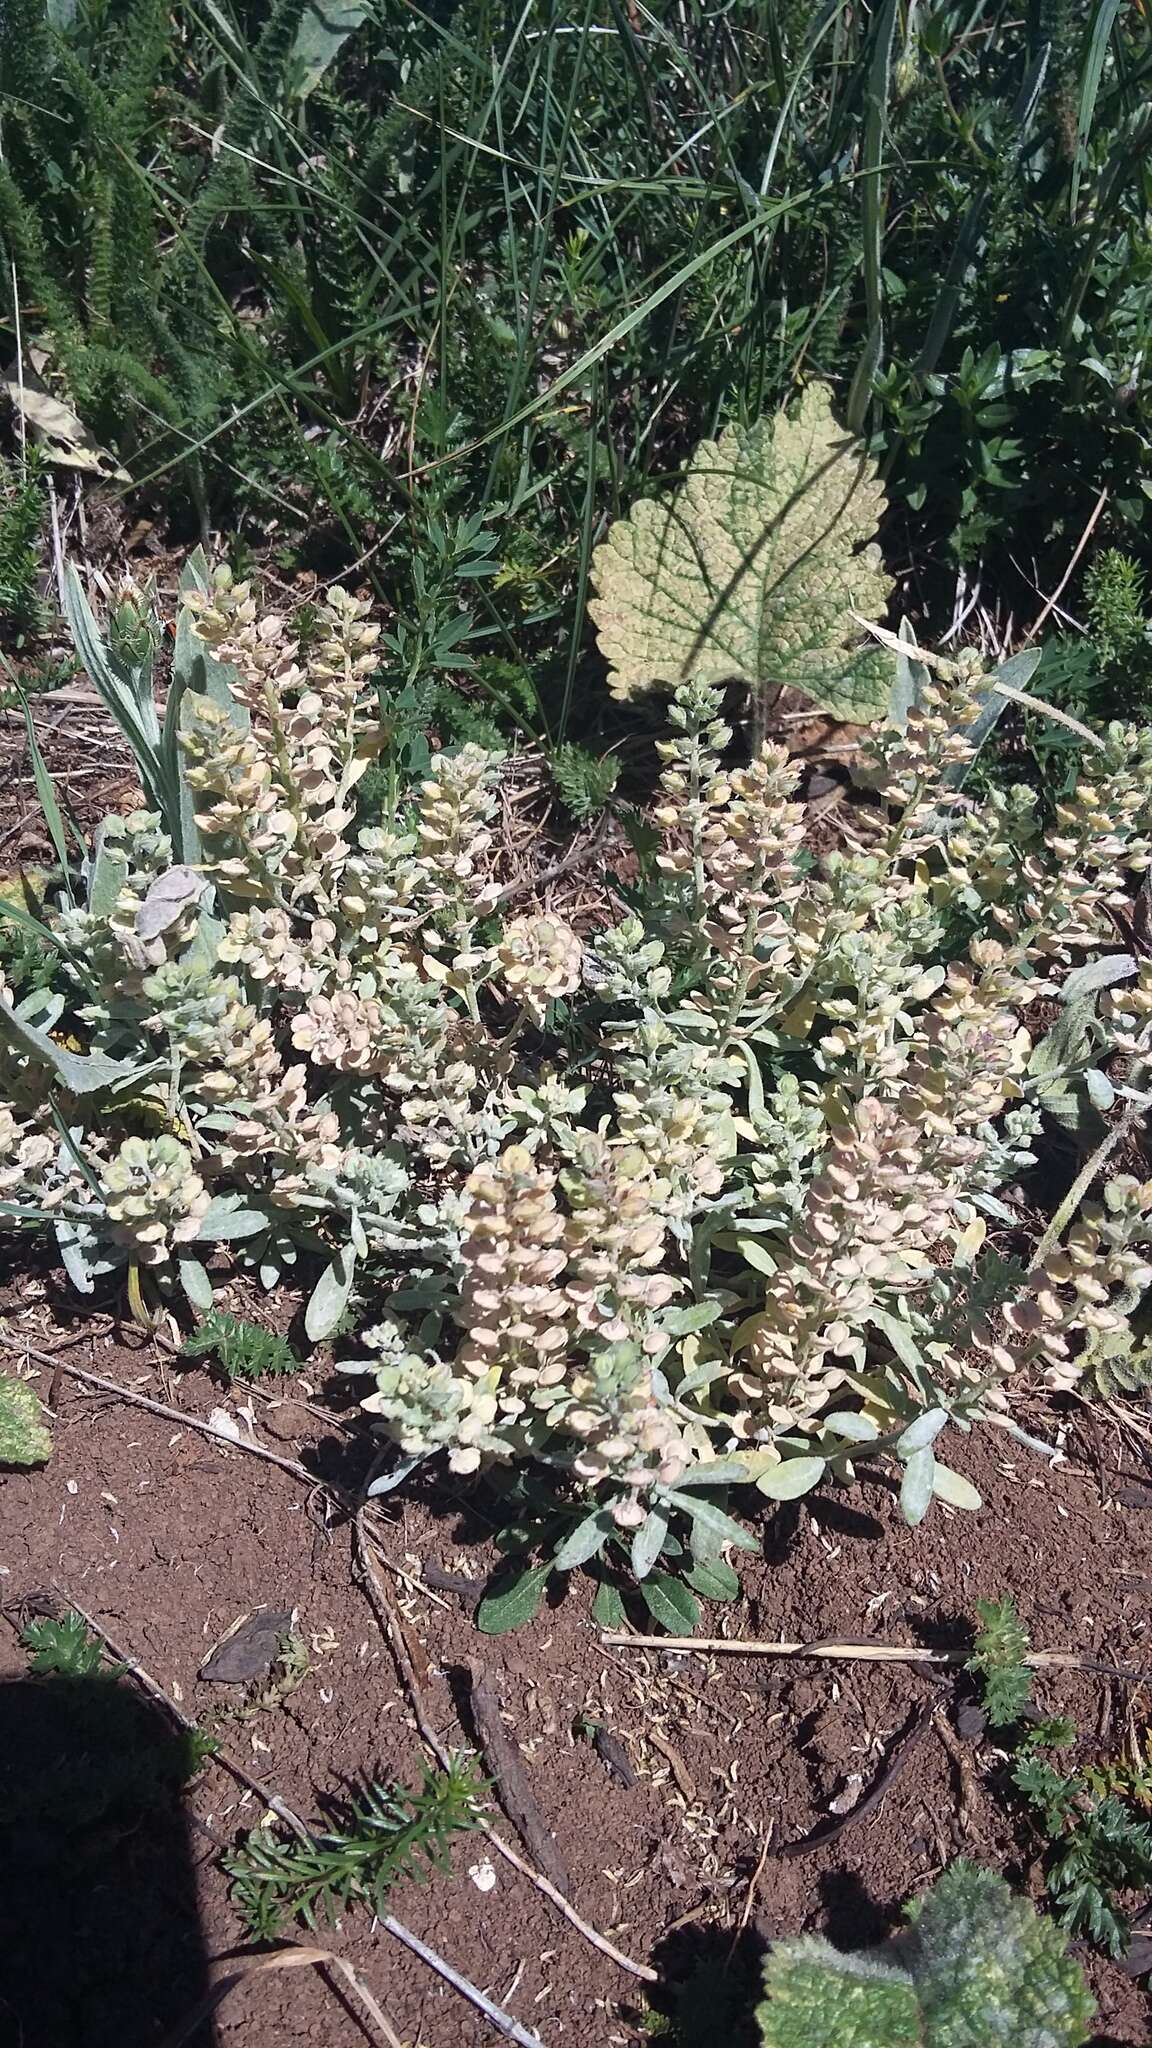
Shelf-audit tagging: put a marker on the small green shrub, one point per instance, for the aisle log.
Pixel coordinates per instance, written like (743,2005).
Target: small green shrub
(389,1834)
(694,1198)
(977,1966)
(244,1350)
(65,1648)
(1095,1846)
(23,518)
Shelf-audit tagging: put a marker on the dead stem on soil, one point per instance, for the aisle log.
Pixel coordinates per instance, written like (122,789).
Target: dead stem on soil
(394,1635)
(321,1959)
(962,1768)
(350,1502)
(510,2028)
(918,1726)
(501,1757)
(864,1653)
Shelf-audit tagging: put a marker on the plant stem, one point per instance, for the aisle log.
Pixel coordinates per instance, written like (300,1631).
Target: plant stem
(1093,1165)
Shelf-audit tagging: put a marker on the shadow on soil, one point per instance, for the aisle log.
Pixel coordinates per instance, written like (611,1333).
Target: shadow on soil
(99,1932)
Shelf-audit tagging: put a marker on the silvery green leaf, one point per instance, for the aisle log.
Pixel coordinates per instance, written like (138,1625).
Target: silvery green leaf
(794,1477)
(1099,1090)
(169,896)
(226,1218)
(1015,674)
(922,1432)
(81,1073)
(908,681)
(586,1540)
(903,1343)
(107,875)
(681,1322)
(721,1528)
(194,663)
(41,1006)
(848,1422)
(702,1375)
(388,1481)
(916,1488)
(205,946)
(356,1233)
(754,1255)
(1098,974)
(330,1296)
(196,1284)
(713,1579)
(325,27)
(72,1257)
(719,1472)
(955,1489)
(648,1542)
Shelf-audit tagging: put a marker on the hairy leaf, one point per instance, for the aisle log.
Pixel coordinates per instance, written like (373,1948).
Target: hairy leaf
(24,1440)
(751,571)
(819,1998)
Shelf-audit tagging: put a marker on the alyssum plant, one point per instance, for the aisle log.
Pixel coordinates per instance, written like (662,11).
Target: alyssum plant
(727,1224)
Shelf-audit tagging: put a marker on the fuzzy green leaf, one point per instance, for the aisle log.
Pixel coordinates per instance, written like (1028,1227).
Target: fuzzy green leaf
(24,1440)
(987,1968)
(330,1296)
(819,1998)
(751,571)
(791,1479)
(917,1487)
(952,1487)
(608,1610)
(517,1600)
(715,1580)
(81,1073)
(670,1603)
(585,1541)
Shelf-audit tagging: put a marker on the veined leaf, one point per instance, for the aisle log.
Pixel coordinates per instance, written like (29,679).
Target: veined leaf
(585,1541)
(24,1440)
(515,1600)
(752,571)
(324,29)
(670,1603)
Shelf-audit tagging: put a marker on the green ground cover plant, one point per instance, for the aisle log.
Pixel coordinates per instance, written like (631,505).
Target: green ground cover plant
(1096,1847)
(695,1198)
(388,1833)
(976,1966)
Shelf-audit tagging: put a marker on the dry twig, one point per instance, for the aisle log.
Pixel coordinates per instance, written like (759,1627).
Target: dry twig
(502,1760)
(918,1726)
(509,2027)
(321,1959)
(864,1653)
(381,1607)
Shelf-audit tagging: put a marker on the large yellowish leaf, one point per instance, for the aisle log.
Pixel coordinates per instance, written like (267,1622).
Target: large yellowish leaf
(752,570)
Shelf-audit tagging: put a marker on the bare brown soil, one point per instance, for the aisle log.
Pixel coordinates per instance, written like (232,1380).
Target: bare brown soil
(165,1537)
